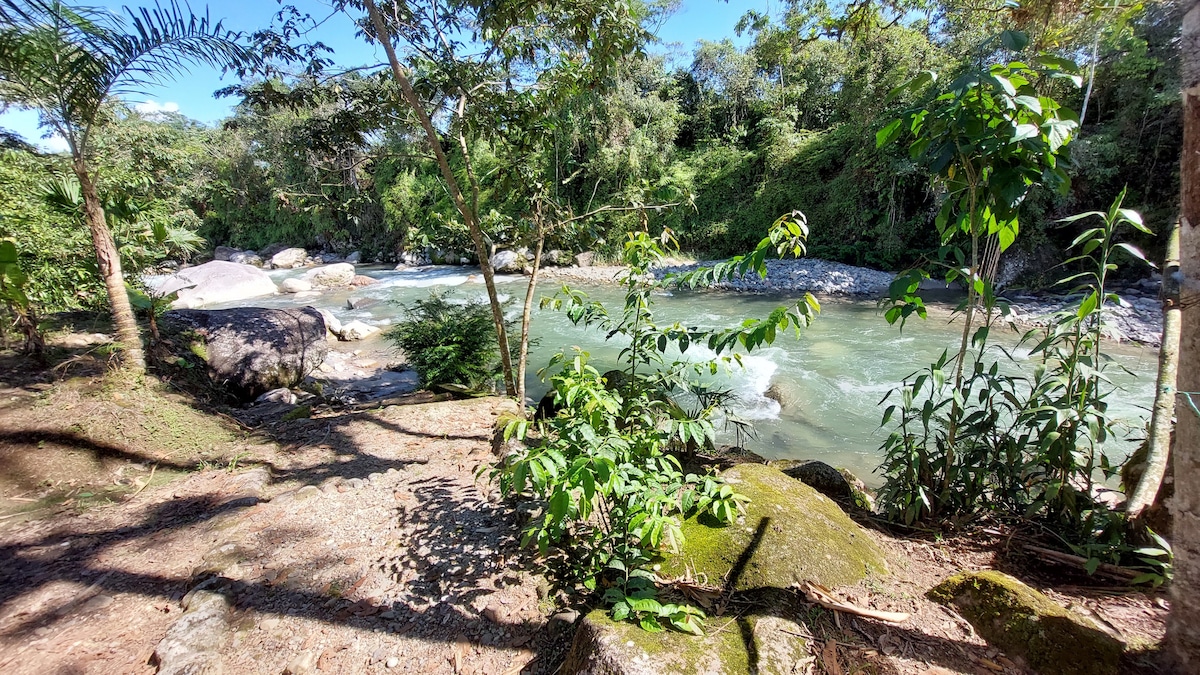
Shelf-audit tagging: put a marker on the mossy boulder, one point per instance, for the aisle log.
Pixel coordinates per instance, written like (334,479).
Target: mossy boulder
(1029,626)
(789,533)
(756,643)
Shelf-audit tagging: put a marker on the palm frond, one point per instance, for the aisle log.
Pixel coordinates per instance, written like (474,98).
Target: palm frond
(68,61)
(164,41)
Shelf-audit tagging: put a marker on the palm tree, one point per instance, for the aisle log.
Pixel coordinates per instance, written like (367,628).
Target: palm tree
(68,62)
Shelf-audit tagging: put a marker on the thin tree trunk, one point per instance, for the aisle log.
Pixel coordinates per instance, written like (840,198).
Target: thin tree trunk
(1159,443)
(1183,625)
(526,312)
(435,143)
(108,260)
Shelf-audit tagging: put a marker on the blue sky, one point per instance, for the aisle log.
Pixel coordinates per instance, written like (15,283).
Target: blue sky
(192,95)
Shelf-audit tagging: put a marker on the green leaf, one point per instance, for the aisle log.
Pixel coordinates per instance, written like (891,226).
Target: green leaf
(650,624)
(1030,102)
(889,133)
(1014,40)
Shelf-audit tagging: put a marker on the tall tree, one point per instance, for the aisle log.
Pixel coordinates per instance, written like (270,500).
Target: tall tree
(1183,626)
(494,65)
(68,62)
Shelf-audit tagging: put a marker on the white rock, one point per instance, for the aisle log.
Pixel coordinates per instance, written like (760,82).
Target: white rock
(213,282)
(330,276)
(356,330)
(295,286)
(507,262)
(280,395)
(289,257)
(332,324)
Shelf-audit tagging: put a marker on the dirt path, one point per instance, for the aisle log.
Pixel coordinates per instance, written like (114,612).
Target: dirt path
(377,551)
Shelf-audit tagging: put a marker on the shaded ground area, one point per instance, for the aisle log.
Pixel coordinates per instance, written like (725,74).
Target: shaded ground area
(360,540)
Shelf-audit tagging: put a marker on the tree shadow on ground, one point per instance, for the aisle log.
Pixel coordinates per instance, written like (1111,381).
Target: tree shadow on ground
(461,549)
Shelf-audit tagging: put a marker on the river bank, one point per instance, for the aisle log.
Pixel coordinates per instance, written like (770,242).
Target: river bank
(1137,318)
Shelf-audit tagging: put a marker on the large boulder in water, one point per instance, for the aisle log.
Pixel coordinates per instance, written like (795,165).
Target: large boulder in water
(336,275)
(289,258)
(216,281)
(252,350)
(790,533)
(508,262)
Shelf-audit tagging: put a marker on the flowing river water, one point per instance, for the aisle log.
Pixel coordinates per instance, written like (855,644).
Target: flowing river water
(830,379)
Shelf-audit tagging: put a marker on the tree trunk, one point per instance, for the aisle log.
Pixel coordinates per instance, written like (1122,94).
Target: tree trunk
(435,143)
(526,313)
(1183,625)
(1159,442)
(108,260)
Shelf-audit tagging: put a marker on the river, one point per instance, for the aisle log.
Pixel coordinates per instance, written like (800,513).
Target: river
(831,378)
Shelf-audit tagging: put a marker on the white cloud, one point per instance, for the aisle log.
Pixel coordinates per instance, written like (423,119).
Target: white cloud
(54,143)
(155,109)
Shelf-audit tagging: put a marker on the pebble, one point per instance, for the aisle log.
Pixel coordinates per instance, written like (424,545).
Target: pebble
(392,662)
(355,483)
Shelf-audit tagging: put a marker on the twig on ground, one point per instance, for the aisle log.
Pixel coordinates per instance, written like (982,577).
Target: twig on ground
(822,596)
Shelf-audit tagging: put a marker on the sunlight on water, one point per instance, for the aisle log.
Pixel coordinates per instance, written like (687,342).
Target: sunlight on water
(830,380)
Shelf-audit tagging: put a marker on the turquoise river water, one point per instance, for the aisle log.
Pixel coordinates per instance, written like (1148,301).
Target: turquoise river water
(831,378)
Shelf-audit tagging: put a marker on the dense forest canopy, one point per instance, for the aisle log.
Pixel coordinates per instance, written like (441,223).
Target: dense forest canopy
(329,158)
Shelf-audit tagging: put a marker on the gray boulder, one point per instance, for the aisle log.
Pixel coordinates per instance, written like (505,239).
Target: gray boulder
(251,350)
(819,476)
(271,249)
(508,262)
(585,259)
(838,484)
(246,258)
(556,257)
(224,253)
(332,324)
(413,259)
(361,302)
(354,257)
(289,258)
(216,281)
(336,275)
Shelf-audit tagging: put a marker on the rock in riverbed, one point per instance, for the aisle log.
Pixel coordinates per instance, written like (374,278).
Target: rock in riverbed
(216,281)
(251,350)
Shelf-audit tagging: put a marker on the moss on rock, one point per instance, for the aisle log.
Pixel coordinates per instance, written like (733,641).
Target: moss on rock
(790,533)
(1028,625)
(757,643)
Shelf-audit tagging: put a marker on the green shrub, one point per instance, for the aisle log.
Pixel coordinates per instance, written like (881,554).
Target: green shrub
(449,342)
